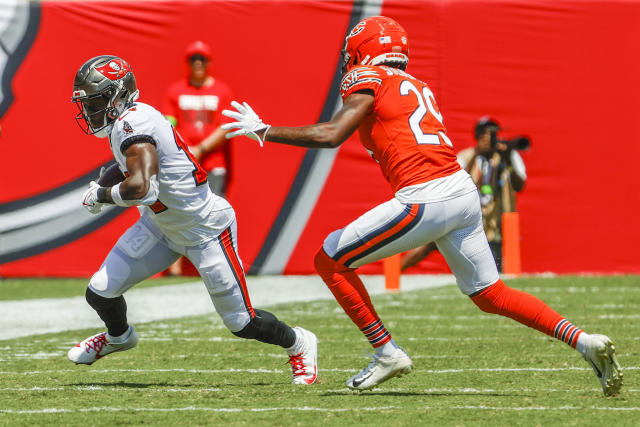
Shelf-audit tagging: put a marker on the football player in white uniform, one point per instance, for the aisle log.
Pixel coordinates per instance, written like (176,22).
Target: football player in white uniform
(180,216)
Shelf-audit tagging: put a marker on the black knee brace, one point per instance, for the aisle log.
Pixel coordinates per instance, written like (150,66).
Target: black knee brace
(112,311)
(265,327)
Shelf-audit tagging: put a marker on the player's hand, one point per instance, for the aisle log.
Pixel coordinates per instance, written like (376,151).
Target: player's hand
(197,152)
(90,198)
(247,123)
(503,149)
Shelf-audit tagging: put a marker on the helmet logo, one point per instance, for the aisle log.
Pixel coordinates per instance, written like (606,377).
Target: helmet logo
(114,69)
(357,30)
(385,39)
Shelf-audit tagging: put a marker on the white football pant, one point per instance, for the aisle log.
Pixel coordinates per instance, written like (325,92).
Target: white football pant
(143,251)
(455,225)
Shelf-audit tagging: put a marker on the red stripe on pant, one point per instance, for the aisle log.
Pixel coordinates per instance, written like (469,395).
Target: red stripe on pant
(379,238)
(234,262)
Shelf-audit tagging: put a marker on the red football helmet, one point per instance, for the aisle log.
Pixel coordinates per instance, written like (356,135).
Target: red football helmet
(374,41)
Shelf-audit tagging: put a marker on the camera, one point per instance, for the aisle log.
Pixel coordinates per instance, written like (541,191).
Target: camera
(517,143)
(487,123)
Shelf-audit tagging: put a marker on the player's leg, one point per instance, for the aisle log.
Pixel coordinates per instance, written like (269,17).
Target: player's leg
(388,229)
(468,254)
(137,255)
(221,270)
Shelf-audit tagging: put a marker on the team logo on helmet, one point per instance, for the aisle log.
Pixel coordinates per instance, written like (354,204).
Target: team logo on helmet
(114,70)
(357,29)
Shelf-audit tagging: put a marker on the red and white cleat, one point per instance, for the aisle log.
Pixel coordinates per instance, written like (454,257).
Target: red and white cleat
(304,358)
(99,345)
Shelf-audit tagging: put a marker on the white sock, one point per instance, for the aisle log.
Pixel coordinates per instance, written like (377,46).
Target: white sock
(581,345)
(120,339)
(387,349)
(296,348)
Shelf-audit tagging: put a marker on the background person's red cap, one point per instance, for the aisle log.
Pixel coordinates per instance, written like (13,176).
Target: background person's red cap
(198,48)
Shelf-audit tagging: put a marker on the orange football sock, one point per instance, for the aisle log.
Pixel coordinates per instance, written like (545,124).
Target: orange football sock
(351,294)
(526,309)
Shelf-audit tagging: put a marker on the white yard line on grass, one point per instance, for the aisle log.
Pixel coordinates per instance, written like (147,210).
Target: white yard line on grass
(40,316)
(190,409)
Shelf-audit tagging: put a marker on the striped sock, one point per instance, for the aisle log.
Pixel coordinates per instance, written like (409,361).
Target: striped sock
(349,291)
(567,332)
(376,333)
(526,309)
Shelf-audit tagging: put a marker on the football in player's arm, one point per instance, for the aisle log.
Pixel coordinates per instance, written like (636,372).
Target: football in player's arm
(179,216)
(434,199)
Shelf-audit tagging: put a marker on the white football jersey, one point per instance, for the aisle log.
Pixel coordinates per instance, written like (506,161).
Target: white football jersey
(186,211)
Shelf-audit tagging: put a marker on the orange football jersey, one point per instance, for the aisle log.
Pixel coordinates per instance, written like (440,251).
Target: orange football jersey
(404,132)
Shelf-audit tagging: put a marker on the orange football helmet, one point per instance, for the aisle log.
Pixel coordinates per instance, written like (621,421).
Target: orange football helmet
(374,41)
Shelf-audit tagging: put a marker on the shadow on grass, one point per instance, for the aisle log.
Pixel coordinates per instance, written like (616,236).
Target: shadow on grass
(391,393)
(131,385)
(124,384)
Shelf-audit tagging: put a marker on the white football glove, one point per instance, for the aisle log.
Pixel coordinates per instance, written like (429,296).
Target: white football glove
(90,198)
(248,123)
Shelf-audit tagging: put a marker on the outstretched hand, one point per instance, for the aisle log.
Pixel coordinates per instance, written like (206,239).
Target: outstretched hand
(247,123)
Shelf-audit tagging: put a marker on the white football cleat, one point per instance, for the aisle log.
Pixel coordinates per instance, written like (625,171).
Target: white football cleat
(601,356)
(381,369)
(98,346)
(304,363)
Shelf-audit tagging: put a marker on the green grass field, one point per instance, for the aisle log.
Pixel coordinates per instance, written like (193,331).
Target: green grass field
(471,369)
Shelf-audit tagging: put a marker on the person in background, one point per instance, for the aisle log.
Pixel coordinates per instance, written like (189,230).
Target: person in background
(193,105)
(499,173)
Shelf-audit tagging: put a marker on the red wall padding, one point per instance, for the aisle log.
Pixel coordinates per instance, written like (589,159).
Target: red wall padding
(564,72)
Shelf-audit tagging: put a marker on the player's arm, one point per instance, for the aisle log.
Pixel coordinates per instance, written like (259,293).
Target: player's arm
(209,144)
(141,186)
(321,135)
(506,153)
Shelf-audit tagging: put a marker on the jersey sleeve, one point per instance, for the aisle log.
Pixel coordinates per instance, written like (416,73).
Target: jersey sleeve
(133,126)
(360,78)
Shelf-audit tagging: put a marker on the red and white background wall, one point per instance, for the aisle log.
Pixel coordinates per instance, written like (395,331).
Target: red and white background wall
(566,73)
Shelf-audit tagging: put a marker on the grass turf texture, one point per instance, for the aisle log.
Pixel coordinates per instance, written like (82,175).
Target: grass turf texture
(470,368)
(21,289)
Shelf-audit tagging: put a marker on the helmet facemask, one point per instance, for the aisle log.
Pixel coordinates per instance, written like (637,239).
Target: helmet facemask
(94,113)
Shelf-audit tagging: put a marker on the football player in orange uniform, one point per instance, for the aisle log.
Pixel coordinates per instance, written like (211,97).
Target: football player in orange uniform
(434,200)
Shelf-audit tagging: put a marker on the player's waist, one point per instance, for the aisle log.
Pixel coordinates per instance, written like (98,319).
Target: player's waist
(437,189)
